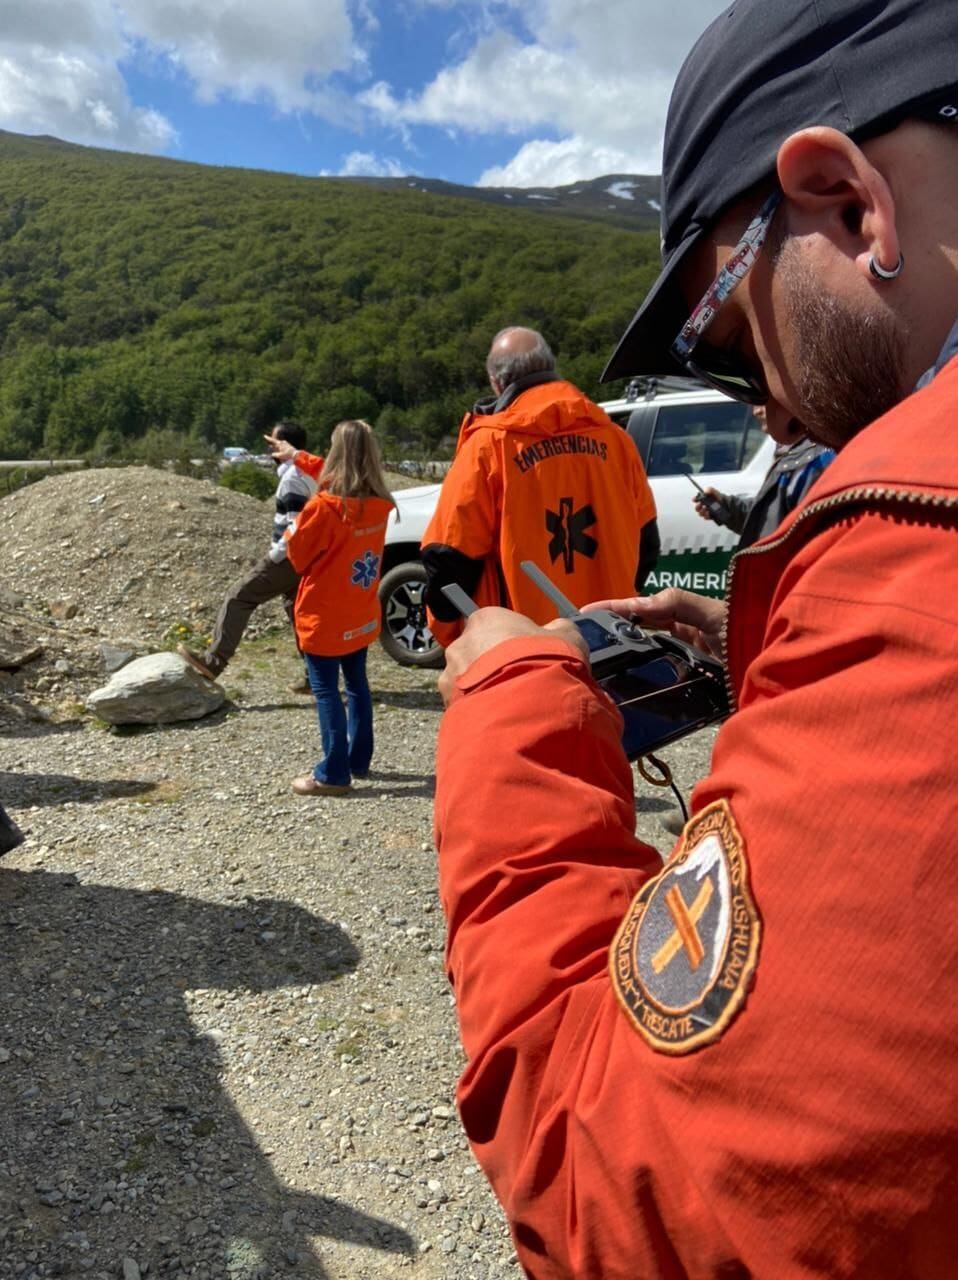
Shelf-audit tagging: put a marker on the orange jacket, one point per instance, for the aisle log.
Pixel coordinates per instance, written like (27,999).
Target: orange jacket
(549,478)
(751,1069)
(337,546)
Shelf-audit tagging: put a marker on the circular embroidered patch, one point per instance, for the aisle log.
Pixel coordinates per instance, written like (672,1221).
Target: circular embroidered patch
(684,955)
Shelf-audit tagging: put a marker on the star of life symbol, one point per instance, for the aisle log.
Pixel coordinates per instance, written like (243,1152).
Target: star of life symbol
(568,529)
(365,571)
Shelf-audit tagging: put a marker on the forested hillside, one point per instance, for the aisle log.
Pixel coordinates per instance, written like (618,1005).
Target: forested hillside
(142,296)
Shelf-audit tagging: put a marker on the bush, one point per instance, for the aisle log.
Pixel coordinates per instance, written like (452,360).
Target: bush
(247,477)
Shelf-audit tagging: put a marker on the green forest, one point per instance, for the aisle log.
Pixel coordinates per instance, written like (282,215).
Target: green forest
(149,303)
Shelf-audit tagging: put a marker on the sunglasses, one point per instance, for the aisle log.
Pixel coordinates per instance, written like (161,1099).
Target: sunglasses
(727,371)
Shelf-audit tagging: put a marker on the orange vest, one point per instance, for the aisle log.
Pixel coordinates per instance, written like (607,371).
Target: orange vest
(337,546)
(551,479)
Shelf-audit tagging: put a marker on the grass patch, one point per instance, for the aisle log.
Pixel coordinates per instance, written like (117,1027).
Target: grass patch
(165,792)
(350,1047)
(183,632)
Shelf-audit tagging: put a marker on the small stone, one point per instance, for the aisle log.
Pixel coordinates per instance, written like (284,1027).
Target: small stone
(448,1244)
(131,1270)
(478,1222)
(63,610)
(126,1068)
(435,1155)
(4,1055)
(107,1207)
(443,1112)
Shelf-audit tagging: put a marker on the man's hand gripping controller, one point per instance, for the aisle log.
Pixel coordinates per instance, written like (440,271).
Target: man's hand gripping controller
(664,688)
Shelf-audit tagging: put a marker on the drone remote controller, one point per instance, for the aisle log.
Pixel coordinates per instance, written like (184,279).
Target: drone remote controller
(664,689)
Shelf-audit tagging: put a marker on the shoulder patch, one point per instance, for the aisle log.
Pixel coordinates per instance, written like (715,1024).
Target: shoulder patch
(683,958)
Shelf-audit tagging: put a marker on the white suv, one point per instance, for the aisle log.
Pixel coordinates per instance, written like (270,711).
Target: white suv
(680,429)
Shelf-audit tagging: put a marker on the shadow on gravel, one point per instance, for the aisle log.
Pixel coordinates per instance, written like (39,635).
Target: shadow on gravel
(117,1140)
(653,803)
(215,718)
(39,728)
(392,775)
(426,788)
(301,704)
(25,790)
(409,699)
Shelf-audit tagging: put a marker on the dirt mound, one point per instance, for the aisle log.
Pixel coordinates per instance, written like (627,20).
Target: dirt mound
(135,549)
(130,556)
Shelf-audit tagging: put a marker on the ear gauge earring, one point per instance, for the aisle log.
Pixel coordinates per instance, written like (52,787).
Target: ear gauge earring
(883,273)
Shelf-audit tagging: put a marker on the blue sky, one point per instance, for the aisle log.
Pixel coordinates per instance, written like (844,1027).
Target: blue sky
(517,92)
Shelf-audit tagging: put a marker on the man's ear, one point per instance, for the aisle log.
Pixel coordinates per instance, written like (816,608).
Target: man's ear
(833,189)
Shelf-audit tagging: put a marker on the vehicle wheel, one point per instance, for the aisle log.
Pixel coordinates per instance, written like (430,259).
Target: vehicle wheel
(405,635)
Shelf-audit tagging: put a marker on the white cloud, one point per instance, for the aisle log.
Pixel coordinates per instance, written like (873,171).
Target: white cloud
(275,50)
(556,164)
(60,61)
(364,164)
(594,78)
(77,97)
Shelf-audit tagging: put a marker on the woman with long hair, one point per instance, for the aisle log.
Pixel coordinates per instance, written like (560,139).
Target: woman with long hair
(337,546)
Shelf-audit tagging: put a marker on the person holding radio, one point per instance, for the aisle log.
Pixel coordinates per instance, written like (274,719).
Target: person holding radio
(743,1062)
(797,465)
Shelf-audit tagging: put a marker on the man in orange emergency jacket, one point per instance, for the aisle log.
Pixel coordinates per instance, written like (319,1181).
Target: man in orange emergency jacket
(746,1063)
(541,474)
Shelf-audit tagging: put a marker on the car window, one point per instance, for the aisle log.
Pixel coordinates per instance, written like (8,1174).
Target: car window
(693,438)
(621,416)
(754,439)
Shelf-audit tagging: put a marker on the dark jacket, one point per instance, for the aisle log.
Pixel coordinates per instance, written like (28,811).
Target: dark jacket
(795,469)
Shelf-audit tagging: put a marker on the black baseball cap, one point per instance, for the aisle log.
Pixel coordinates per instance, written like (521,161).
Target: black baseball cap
(762,70)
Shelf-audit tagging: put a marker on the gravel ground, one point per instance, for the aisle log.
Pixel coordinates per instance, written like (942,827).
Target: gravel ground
(228,1046)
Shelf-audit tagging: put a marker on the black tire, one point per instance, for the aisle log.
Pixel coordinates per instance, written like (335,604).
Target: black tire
(405,635)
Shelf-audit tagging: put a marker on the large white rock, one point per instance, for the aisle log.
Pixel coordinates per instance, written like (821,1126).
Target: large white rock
(159,689)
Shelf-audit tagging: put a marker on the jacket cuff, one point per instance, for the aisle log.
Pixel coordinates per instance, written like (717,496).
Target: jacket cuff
(519,650)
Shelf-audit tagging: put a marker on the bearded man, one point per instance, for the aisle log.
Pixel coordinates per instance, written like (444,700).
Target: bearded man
(744,1063)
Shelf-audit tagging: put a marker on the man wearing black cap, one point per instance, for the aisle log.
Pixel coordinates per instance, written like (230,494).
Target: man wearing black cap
(744,1064)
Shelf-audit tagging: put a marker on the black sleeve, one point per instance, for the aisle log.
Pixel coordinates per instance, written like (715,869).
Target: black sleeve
(738,509)
(650,544)
(445,565)
(290,503)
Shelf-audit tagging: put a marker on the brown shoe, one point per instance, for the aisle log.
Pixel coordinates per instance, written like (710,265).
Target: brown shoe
(300,686)
(306,785)
(196,662)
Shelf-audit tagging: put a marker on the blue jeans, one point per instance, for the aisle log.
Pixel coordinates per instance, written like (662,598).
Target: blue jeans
(347,735)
